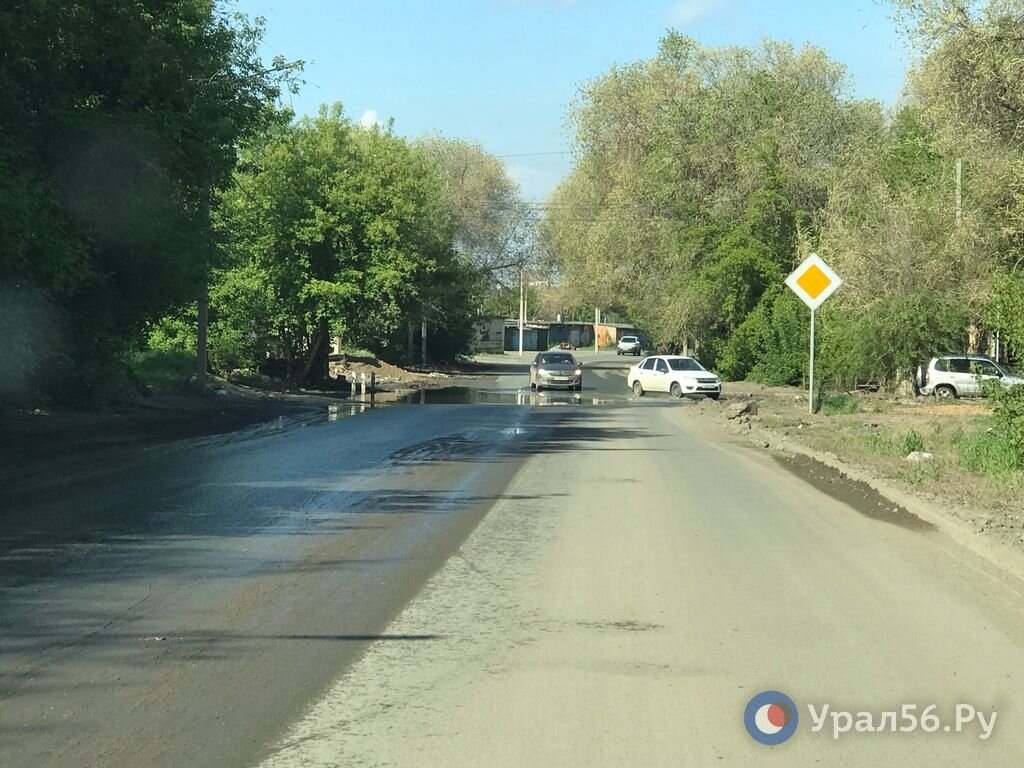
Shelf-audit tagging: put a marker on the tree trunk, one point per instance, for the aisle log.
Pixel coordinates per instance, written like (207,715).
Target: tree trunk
(316,368)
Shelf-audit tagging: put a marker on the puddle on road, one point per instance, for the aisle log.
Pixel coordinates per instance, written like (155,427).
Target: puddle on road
(464,396)
(354,406)
(856,493)
(461,396)
(471,396)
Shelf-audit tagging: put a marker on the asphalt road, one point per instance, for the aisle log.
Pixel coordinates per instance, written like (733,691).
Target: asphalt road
(485,583)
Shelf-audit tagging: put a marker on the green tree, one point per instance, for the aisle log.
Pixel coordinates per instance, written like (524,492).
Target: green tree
(117,118)
(332,230)
(698,170)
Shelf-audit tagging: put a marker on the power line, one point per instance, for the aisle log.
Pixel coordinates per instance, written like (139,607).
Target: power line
(538,154)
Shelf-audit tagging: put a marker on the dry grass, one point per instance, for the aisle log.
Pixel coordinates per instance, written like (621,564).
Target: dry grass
(878,437)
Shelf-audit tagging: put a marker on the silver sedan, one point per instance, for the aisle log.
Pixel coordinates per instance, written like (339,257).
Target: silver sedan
(556,370)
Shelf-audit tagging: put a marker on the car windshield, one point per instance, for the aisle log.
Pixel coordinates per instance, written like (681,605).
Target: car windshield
(685,364)
(557,360)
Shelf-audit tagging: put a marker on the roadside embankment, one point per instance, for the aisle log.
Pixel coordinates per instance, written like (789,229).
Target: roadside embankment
(915,452)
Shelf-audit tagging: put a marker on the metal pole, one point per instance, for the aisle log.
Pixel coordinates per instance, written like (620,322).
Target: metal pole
(597,322)
(522,308)
(810,395)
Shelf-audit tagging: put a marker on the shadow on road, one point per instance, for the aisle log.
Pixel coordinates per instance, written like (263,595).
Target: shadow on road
(80,570)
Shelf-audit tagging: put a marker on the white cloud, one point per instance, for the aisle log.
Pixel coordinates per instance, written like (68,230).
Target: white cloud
(370,119)
(689,12)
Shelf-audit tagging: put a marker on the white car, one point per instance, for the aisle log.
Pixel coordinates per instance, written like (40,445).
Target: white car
(963,376)
(679,376)
(629,345)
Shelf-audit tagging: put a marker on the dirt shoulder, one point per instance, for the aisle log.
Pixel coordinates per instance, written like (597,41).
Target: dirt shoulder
(390,377)
(869,449)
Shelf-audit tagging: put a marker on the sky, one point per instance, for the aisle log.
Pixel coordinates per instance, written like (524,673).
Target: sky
(503,72)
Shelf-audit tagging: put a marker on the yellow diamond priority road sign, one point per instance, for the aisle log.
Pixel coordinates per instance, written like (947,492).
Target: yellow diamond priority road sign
(813,281)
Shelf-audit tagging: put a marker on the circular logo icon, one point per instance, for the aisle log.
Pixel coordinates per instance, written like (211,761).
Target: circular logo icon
(770,717)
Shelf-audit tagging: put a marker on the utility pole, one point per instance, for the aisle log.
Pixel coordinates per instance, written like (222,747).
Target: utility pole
(522,307)
(423,338)
(597,322)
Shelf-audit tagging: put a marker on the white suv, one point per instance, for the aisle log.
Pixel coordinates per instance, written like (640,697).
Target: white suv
(962,376)
(629,345)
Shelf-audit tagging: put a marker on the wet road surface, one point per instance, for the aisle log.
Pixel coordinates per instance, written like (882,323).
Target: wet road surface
(501,579)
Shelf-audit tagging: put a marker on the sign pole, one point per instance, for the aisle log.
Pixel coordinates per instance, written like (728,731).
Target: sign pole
(813,282)
(810,394)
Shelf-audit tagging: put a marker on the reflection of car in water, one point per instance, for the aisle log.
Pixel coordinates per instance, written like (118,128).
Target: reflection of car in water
(528,397)
(556,370)
(675,374)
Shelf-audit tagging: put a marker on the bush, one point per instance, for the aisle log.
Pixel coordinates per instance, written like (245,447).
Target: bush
(163,367)
(988,453)
(771,344)
(910,442)
(1000,449)
(832,405)
(1008,409)
(887,341)
(174,331)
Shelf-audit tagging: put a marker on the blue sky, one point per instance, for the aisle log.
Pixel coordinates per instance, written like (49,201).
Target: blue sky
(502,72)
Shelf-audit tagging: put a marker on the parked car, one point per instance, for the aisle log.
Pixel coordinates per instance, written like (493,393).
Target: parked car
(963,376)
(629,345)
(556,370)
(678,375)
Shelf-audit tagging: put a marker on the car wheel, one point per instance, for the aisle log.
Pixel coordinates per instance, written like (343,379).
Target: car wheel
(715,396)
(945,392)
(538,388)
(675,390)
(638,389)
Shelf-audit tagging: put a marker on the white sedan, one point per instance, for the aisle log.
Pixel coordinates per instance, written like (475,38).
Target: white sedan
(677,375)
